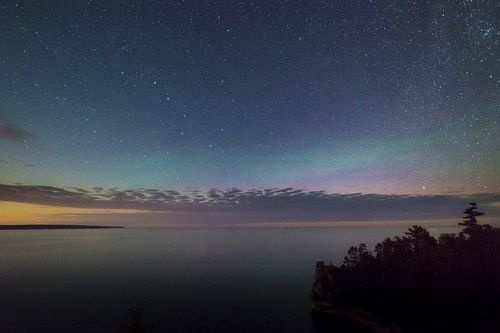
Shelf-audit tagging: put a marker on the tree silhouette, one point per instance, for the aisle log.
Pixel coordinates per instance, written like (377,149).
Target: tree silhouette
(450,284)
(419,238)
(357,254)
(469,220)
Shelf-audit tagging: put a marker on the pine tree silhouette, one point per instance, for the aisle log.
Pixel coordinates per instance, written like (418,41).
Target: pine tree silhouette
(469,220)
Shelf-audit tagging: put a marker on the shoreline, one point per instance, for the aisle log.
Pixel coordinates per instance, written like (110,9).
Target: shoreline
(53,226)
(358,316)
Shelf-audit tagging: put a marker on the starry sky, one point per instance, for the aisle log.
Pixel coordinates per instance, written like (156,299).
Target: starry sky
(378,100)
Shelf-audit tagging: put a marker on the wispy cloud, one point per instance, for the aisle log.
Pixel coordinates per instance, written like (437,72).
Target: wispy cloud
(255,206)
(14,133)
(24,162)
(18,161)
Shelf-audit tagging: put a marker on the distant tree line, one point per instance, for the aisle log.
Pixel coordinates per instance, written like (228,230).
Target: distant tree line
(425,284)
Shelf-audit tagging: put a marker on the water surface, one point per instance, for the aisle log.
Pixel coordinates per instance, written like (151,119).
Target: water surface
(186,280)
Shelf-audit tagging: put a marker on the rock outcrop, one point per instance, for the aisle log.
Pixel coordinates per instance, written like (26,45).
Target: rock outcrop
(323,301)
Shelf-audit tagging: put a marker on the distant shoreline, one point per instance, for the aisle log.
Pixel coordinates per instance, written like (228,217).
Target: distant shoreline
(53,226)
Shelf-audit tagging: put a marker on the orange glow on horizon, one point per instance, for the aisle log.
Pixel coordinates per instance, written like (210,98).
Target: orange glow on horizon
(27,213)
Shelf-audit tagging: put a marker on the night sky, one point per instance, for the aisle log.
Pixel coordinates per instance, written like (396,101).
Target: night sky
(355,99)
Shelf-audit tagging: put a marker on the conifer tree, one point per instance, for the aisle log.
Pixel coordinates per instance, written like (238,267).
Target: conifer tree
(470,220)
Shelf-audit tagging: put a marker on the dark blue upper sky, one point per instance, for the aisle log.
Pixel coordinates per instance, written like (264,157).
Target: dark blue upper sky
(345,96)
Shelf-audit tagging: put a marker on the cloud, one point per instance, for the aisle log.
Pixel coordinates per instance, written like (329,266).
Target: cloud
(17,162)
(255,206)
(24,162)
(13,133)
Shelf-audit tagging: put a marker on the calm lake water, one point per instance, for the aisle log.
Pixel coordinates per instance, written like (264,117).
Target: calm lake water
(186,280)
